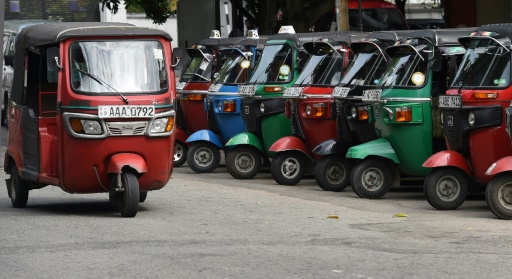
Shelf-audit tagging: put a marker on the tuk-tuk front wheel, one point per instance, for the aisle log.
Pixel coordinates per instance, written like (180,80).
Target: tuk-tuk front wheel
(129,204)
(332,173)
(17,189)
(499,195)
(372,178)
(203,157)
(142,196)
(287,168)
(243,162)
(180,154)
(446,188)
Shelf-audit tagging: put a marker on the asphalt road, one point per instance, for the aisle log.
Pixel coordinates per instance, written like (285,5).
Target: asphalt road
(213,226)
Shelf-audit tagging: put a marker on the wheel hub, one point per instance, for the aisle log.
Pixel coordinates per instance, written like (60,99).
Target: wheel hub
(448,188)
(203,157)
(178,152)
(372,179)
(290,167)
(244,162)
(505,196)
(335,173)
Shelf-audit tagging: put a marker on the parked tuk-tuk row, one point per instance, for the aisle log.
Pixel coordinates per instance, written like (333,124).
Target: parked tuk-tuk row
(358,109)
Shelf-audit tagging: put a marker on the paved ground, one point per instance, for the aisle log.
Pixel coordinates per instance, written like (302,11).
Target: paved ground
(213,226)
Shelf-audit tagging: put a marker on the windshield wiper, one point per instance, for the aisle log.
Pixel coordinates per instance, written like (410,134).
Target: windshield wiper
(98,80)
(205,78)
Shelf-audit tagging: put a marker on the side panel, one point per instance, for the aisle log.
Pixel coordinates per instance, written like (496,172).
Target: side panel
(380,147)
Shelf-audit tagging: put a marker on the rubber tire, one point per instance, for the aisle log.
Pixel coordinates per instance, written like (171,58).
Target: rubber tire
(129,204)
(386,173)
(212,151)
(352,182)
(143,196)
(233,157)
(179,158)
(492,195)
(18,189)
(297,158)
(323,167)
(434,198)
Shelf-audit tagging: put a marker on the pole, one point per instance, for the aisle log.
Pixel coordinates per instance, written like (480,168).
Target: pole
(342,15)
(360,15)
(2,17)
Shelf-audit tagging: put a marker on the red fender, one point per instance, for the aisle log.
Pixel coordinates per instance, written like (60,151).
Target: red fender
(181,135)
(289,143)
(447,158)
(118,161)
(502,165)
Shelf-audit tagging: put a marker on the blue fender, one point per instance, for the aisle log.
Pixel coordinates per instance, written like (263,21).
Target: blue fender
(379,147)
(331,147)
(205,135)
(246,138)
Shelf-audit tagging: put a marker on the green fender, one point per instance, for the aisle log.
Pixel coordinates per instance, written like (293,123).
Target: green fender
(379,147)
(246,138)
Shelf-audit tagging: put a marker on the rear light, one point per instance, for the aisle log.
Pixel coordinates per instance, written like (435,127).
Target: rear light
(362,113)
(195,97)
(229,106)
(403,114)
(318,110)
(486,95)
(273,89)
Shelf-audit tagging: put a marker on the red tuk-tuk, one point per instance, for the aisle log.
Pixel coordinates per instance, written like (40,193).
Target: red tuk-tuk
(91,111)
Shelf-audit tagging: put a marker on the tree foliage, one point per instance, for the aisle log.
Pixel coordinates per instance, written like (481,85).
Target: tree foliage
(157,10)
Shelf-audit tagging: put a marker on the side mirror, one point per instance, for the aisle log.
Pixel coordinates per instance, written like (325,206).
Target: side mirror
(302,59)
(177,54)
(53,59)
(437,64)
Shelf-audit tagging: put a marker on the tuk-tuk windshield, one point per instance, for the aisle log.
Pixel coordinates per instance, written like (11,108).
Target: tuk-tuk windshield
(235,70)
(367,68)
(485,64)
(324,69)
(406,68)
(118,66)
(275,65)
(199,69)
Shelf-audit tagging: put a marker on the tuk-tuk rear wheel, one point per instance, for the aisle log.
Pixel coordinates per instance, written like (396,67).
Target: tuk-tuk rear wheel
(203,157)
(243,162)
(372,178)
(180,154)
(142,196)
(287,168)
(499,195)
(446,188)
(332,173)
(18,189)
(130,202)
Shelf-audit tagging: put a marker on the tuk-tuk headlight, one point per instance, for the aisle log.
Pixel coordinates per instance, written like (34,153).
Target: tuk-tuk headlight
(219,106)
(262,107)
(471,119)
(91,127)
(308,110)
(442,116)
(162,125)
(353,112)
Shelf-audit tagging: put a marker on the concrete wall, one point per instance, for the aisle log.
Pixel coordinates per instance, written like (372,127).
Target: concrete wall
(171,26)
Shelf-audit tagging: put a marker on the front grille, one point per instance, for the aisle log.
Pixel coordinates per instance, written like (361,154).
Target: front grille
(126,128)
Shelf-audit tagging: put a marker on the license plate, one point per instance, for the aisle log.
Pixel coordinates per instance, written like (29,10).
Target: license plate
(447,101)
(371,95)
(126,111)
(293,92)
(180,85)
(214,87)
(246,90)
(340,92)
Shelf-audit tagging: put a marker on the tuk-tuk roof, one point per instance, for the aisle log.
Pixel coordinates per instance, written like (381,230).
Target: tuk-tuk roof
(444,40)
(379,39)
(256,42)
(495,31)
(50,33)
(334,39)
(15,25)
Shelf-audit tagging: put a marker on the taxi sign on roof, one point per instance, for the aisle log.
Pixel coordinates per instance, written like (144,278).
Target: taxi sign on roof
(215,34)
(252,34)
(287,29)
